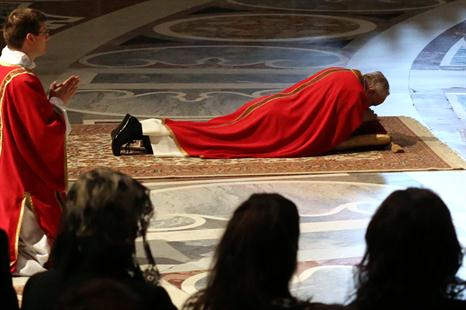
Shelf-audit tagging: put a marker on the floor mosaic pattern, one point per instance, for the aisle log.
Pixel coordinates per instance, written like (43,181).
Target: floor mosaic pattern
(192,215)
(366,6)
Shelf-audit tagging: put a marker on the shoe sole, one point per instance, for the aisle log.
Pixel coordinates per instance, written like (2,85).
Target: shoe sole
(120,125)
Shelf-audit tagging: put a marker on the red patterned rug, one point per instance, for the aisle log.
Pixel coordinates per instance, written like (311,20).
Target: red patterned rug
(89,147)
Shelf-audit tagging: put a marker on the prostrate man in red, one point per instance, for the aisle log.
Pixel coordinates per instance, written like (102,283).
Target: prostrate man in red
(32,155)
(309,118)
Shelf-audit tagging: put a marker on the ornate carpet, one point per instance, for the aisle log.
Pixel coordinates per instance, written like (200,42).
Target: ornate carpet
(89,146)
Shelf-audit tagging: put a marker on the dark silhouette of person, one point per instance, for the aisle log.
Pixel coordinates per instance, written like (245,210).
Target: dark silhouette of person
(104,213)
(412,255)
(255,259)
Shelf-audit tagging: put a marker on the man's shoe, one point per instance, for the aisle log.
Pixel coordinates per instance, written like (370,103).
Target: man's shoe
(122,123)
(128,130)
(147,145)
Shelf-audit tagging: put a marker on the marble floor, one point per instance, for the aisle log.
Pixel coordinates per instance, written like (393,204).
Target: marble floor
(200,58)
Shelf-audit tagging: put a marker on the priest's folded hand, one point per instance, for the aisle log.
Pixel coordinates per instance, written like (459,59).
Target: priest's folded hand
(64,90)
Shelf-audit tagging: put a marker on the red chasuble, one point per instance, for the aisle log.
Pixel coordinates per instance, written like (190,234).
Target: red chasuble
(306,119)
(32,155)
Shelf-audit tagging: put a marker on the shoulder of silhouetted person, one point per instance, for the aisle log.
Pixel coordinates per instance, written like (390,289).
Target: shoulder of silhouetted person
(446,304)
(294,304)
(320,306)
(108,293)
(9,301)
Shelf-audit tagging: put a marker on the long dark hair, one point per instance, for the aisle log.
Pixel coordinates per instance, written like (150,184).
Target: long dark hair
(104,213)
(412,253)
(255,258)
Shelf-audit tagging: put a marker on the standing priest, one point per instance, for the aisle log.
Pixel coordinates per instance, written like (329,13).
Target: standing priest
(32,154)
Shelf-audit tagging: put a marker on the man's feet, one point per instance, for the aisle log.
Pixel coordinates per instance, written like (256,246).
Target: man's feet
(127,131)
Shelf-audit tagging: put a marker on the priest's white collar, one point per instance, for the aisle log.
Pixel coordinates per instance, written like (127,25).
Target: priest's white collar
(14,57)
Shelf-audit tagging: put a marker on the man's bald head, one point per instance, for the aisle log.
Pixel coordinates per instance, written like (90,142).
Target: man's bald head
(376,86)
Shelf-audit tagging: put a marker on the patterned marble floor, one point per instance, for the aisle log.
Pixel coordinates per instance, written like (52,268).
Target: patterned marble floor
(334,209)
(200,58)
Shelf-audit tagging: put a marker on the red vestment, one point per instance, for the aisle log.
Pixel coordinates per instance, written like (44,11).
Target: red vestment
(306,119)
(32,155)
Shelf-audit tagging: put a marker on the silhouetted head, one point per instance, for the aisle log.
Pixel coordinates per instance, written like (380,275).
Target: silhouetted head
(256,256)
(376,87)
(262,239)
(104,213)
(412,251)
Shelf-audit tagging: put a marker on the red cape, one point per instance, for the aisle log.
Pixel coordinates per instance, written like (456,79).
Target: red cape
(32,155)
(306,119)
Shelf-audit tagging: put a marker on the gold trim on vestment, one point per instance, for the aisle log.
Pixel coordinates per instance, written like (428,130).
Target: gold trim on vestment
(6,80)
(65,163)
(298,89)
(180,148)
(25,203)
(358,75)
